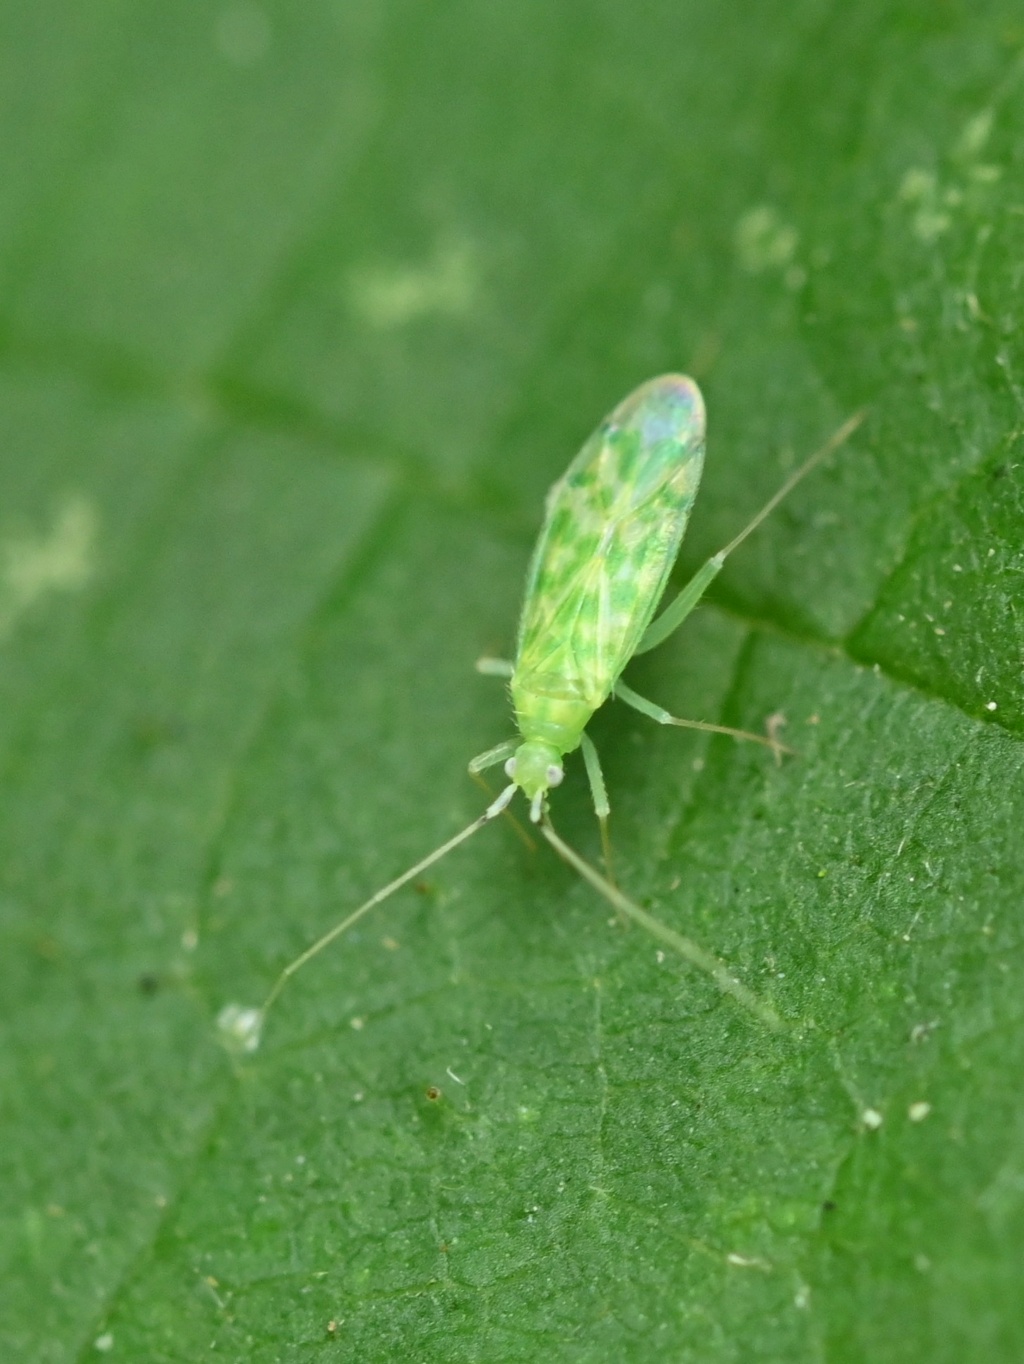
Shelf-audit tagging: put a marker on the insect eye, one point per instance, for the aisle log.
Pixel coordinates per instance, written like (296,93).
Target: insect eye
(510,768)
(554,775)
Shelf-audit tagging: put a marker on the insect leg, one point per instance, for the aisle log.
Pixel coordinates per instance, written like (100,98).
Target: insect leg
(662,717)
(494,667)
(498,754)
(677,611)
(686,947)
(599,793)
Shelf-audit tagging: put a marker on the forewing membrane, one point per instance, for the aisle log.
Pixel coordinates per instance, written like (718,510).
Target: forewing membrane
(610,537)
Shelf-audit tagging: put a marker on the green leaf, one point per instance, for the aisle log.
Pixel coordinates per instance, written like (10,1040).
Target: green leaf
(303,309)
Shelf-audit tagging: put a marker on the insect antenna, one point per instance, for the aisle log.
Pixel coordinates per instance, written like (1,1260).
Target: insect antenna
(241,1028)
(685,947)
(510,818)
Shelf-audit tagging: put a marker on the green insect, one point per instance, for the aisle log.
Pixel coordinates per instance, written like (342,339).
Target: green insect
(612,529)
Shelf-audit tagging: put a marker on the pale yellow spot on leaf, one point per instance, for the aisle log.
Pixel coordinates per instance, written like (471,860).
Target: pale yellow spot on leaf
(243,33)
(917,184)
(59,560)
(929,224)
(390,296)
(975,134)
(764,241)
(920,188)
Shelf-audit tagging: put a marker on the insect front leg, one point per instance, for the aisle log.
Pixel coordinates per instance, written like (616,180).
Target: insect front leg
(663,717)
(498,754)
(495,667)
(686,947)
(599,794)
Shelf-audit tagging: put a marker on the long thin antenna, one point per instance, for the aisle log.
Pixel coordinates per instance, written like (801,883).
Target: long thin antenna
(493,810)
(685,947)
(241,1027)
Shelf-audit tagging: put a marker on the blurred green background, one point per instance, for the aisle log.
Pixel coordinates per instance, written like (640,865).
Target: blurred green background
(302,308)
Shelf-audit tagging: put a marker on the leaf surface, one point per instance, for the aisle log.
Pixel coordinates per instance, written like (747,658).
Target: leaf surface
(303,310)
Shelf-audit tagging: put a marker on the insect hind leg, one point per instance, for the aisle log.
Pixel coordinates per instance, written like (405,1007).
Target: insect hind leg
(662,717)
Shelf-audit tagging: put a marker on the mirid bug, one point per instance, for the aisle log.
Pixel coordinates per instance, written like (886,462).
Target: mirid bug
(612,529)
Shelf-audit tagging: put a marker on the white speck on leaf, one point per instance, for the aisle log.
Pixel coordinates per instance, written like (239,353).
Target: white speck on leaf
(239,1027)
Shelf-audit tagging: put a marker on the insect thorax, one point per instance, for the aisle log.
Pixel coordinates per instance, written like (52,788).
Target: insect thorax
(551,710)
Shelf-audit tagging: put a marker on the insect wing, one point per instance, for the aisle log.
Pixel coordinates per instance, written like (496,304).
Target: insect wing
(610,537)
